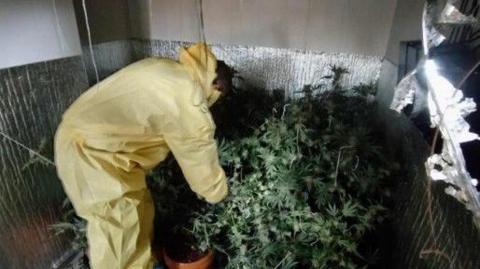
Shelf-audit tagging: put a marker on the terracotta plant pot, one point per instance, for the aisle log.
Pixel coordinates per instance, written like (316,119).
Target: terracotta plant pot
(206,262)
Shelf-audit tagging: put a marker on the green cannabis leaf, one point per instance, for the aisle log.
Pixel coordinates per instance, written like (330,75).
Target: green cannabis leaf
(308,180)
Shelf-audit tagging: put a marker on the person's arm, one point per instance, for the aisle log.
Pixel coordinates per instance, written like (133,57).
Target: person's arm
(195,150)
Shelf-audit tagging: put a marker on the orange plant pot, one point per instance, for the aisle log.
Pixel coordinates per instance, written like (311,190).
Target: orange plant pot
(206,262)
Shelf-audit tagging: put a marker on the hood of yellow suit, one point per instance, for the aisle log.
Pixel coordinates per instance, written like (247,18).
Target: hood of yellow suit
(201,63)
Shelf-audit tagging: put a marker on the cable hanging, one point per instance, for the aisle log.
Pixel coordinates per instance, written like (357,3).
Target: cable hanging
(90,45)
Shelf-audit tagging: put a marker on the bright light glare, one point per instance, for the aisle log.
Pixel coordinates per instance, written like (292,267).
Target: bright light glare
(444,90)
(444,98)
(440,91)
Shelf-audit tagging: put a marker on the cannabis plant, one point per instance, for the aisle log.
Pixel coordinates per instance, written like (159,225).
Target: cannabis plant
(73,226)
(305,186)
(307,177)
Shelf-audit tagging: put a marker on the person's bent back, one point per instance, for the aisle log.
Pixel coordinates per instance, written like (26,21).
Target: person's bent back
(126,125)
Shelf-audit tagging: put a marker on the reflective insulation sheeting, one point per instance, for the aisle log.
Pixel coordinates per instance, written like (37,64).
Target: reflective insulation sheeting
(405,91)
(272,68)
(33,98)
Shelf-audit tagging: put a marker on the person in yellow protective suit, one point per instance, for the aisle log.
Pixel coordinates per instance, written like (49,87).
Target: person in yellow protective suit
(126,125)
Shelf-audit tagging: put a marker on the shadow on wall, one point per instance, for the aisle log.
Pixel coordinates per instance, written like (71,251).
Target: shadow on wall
(455,232)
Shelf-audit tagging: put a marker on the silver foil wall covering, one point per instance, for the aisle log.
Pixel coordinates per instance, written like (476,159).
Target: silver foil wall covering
(447,106)
(33,98)
(272,68)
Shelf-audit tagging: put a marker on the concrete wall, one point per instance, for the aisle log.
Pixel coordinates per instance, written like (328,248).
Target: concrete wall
(34,31)
(109,22)
(108,19)
(140,14)
(350,26)
(407,26)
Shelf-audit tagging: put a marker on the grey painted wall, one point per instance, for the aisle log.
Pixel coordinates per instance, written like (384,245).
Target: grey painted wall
(34,31)
(109,58)
(407,26)
(387,82)
(349,26)
(108,19)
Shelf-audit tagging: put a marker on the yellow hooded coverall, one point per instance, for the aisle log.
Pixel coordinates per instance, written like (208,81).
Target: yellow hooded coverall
(126,125)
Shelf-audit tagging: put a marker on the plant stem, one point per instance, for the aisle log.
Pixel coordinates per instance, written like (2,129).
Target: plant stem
(284,258)
(338,161)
